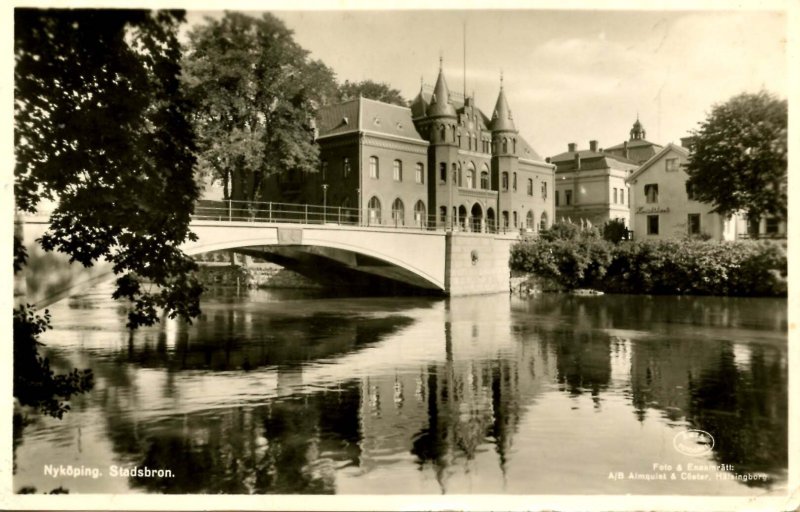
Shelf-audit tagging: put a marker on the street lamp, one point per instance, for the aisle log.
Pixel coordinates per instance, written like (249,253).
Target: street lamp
(324,203)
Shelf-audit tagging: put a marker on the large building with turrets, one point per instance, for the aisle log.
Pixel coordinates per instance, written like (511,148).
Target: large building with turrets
(440,163)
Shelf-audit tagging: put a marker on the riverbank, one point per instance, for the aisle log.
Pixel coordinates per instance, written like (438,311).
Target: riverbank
(658,267)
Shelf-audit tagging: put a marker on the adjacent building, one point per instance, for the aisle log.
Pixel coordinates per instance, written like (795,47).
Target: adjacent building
(590,185)
(441,163)
(663,206)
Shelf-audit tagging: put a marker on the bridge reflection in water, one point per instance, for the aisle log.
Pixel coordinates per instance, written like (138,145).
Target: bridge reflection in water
(480,394)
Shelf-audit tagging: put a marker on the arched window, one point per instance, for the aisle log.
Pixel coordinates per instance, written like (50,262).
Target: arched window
(346,167)
(419,214)
(514,182)
(398,213)
(530,186)
(515,219)
(514,141)
(374,170)
(505,145)
(470,175)
(505,181)
(505,219)
(456,178)
(443,215)
(529,220)
(543,222)
(485,177)
(544,190)
(374,209)
(454,131)
(419,174)
(442,172)
(397,170)
(442,133)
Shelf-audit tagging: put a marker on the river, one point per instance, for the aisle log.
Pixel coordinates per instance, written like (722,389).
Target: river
(291,392)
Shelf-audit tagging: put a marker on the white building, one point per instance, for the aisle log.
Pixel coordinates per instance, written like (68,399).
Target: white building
(663,207)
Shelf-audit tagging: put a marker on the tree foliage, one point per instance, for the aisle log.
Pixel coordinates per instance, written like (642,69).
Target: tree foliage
(373,90)
(255,93)
(101,130)
(739,158)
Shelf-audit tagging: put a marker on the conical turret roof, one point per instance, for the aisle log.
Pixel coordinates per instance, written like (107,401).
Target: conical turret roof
(440,103)
(501,118)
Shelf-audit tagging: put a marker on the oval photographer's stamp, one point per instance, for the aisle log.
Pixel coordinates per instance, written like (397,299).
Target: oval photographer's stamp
(693,443)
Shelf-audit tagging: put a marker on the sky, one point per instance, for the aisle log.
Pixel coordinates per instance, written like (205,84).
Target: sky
(569,76)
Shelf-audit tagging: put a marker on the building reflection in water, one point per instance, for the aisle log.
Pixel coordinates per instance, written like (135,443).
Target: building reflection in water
(246,402)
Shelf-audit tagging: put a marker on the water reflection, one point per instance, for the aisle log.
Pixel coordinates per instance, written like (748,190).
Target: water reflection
(417,395)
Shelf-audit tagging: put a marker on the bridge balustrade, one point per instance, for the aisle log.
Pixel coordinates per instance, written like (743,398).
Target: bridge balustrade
(293,213)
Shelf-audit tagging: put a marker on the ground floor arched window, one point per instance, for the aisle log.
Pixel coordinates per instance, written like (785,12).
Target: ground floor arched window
(543,222)
(374,209)
(529,221)
(398,213)
(419,214)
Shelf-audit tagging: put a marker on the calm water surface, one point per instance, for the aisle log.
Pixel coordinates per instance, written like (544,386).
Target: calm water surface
(286,393)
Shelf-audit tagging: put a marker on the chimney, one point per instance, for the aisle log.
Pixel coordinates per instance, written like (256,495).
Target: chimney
(571,147)
(593,146)
(577,161)
(547,159)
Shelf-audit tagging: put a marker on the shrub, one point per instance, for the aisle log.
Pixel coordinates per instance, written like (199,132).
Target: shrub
(681,266)
(615,231)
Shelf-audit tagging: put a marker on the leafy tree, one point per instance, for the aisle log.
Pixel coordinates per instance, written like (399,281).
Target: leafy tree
(373,90)
(739,160)
(101,130)
(255,93)
(615,231)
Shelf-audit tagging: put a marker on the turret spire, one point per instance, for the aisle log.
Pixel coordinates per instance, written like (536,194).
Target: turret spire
(440,102)
(501,118)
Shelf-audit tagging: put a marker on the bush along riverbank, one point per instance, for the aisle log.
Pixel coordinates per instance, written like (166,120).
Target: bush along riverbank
(667,267)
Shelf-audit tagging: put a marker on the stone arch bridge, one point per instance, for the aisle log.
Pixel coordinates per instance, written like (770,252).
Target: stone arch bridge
(449,262)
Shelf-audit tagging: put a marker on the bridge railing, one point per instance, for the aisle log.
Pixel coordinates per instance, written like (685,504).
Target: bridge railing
(292,213)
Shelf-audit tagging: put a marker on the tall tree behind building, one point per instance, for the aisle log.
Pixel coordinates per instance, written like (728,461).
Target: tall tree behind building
(379,91)
(739,156)
(255,93)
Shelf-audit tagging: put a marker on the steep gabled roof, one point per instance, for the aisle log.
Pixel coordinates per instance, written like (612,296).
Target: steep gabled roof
(365,115)
(655,158)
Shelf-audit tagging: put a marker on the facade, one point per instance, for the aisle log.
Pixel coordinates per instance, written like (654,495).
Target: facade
(663,207)
(441,163)
(590,185)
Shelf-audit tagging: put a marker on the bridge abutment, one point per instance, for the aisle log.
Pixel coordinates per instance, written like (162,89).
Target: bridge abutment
(477,263)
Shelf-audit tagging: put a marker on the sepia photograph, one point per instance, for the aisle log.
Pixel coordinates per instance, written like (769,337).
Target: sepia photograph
(409,257)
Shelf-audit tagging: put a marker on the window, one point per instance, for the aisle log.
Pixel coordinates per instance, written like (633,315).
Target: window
(442,172)
(470,178)
(419,174)
(505,145)
(530,187)
(529,220)
(615,195)
(505,181)
(543,222)
(544,190)
(652,224)
(568,197)
(693,223)
(772,225)
(397,170)
(558,198)
(672,164)
(443,215)
(374,170)
(346,167)
(324,169)
(505,219)
(622,196)
(515,219)
(398,212)
(456,175)
(374,208)
(419,214)
(514,182)
(690,193)
(485,180)
(651,193)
